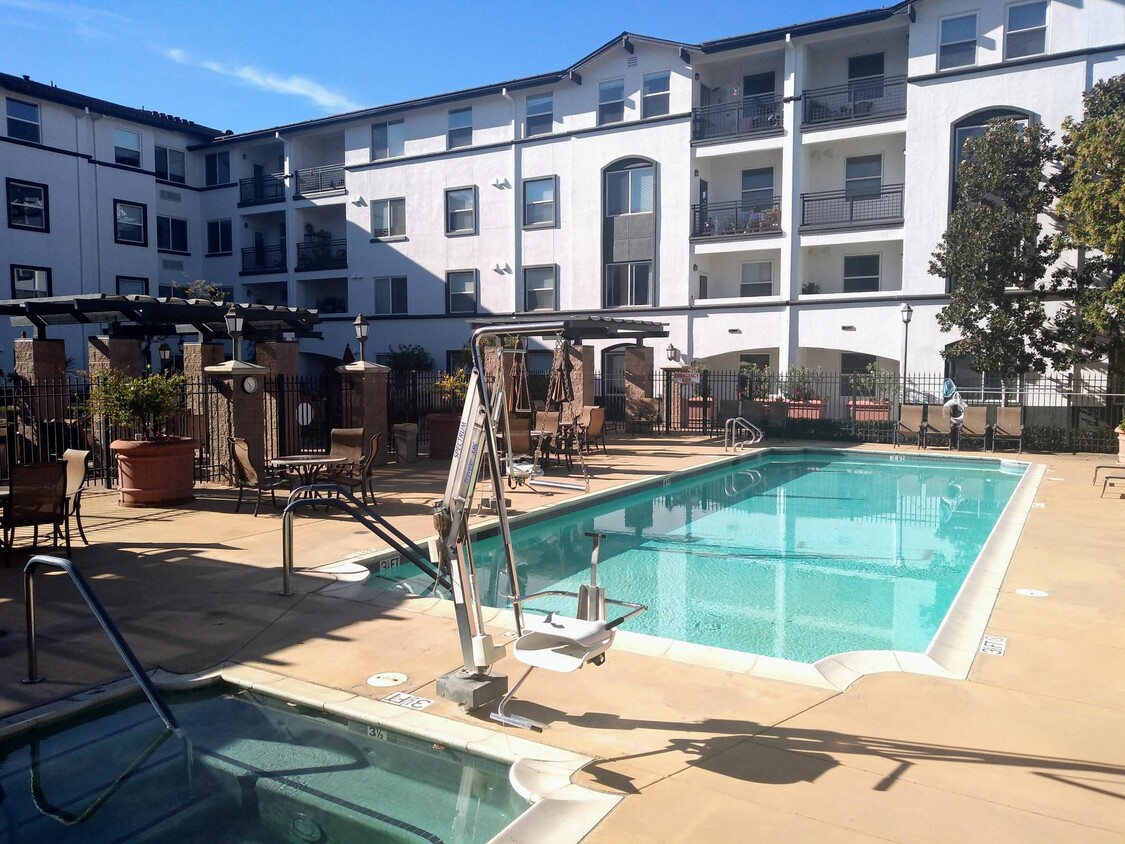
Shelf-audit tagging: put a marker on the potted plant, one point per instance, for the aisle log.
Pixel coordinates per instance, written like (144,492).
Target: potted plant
(803,394)
(154,468)
(452,388)
(873,388)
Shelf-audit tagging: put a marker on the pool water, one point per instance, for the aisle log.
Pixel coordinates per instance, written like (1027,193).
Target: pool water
(263,771)
(797,556)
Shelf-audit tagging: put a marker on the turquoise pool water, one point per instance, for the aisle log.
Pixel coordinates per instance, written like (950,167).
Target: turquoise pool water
(798,556)
(263,771)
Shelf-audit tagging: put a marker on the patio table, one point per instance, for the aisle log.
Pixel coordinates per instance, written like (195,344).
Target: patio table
(307,467)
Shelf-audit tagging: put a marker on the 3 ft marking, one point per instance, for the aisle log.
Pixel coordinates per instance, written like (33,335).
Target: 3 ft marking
(408,701)
(993,645)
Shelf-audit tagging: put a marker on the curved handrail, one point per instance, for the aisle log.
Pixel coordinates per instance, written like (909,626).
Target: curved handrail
(731,428)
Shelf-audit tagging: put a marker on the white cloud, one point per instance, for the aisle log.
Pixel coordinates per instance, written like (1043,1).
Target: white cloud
(86,21)
(264,80)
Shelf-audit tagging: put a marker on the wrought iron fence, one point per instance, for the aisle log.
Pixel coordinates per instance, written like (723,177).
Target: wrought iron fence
(300,413)
(847,208)
(736,218)
(256,189)
(263,259)
(322,255)
(753,116)
(873,98)
(320,179)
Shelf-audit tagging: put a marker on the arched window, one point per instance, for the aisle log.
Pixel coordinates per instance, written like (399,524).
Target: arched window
(629,206)
(973,126)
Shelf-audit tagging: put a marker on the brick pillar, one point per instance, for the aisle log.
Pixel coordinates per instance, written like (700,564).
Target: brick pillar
(638,377)
(365,402)
(41,390)
(239,414)
(581,378)
(282,363)
(200,355)
(120,353)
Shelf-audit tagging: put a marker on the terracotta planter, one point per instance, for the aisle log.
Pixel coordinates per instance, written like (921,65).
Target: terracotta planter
(871,411)
(1120,446)
(698,409)
(810,409)
(443,433)
(155,473)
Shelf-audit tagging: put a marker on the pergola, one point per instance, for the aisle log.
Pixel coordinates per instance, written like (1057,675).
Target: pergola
(577,329)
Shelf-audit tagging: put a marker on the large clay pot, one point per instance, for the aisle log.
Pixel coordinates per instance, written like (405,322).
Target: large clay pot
(871,411)
(808,409)
(443,429)
(155,473)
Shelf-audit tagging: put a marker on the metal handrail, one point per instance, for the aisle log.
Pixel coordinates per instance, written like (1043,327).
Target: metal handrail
(739,423)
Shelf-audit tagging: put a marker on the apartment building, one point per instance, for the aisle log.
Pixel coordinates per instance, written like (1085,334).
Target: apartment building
(774,198)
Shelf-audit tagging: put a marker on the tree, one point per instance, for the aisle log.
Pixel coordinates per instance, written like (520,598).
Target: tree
(406,357)
(995,254)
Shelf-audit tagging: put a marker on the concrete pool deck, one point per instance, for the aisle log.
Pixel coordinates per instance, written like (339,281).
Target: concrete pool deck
(1030,747)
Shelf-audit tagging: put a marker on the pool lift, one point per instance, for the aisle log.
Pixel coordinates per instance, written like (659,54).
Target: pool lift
(557,642)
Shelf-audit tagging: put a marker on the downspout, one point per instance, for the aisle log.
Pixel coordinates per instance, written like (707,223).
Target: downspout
(517,229)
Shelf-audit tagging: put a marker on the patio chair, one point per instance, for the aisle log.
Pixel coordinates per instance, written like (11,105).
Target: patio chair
(248,477)
(777,419)
(938,425)
(1008,426)
(909,424)
(37,496)
(359,477)
(973,426)
(347,443)
(646,414)
(549,436)
(591,427)
(75,484)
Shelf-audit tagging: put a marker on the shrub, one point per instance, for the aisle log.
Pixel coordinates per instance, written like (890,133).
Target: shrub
(142,401)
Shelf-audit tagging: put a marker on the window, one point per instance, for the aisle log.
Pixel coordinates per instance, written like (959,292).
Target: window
(27,206)
(171,234)
(654,94)
(757,188)
(130,223)
(462,292)
(628,284)
(863,176)
(540,114)
(861,273)
(958,46)
(757,279)
(865,78)
(388,218)
(217,168)
(218,237)
(1026,33)
(629,191)
(128,285)
(23,121)
(170,165)
(460,128)
(30,282)
(852,364)
(388,140)
(127,147)
(973,126)
(390,295)
(611,101)
(461,211)
(539,202)
(539,289)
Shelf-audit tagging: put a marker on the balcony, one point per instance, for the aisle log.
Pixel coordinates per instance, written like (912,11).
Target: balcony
(322,255)
(748,118)
(324,179)
(263,259)
(736,219)
(844,209)
(860,101)
(261,189)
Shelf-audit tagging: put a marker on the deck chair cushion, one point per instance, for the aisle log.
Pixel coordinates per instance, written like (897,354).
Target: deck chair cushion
(564,644)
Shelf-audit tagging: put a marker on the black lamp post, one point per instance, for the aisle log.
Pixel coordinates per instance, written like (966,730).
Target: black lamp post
(360,325)
(165,352)
(235,321)
(906,312)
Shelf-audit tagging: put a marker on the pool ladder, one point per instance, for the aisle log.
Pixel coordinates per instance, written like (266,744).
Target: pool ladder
(738,433)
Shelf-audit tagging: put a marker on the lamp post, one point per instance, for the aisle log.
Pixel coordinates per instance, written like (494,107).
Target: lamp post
(906,312)
(360,325)
(165,352)
(235,322)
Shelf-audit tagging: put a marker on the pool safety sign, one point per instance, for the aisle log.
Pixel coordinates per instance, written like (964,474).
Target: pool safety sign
(408,701)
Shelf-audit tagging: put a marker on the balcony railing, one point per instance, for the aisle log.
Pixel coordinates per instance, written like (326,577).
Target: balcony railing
(257,189)
(263,259)
(322,255)
(330,177)
(841,209)
(874,98)
(736,219)
(756,116)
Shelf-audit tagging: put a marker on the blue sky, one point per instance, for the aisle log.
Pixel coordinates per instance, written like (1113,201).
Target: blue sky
(251,64)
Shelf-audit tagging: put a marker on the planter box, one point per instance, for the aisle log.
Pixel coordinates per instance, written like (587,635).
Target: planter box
(699,409)
(810,409)
(871,411)
(155,473)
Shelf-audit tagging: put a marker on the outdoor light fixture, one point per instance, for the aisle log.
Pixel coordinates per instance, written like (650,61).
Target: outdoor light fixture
(672,351)
(165,352)
(235,321)
(907,312)
(360,325)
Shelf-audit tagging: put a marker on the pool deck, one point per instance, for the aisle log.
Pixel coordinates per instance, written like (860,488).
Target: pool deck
(1031,747)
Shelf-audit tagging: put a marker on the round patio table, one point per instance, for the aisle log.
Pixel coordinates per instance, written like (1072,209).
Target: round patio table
(307,467)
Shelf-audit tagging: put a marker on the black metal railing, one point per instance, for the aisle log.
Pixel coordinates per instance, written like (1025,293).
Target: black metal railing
(320,179)
(322,255)
(874,98)
(851,208)
(263,259)
(755,116)
(258,189)
(729,219)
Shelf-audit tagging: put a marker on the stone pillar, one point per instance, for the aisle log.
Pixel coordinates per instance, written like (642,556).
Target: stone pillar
(197,356)
(581,378)
(282,370)
(41,391)
(39,360)
(237,413)
(365,402)
(638,377)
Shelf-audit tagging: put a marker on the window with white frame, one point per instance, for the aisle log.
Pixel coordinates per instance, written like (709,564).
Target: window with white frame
(461,211)
(958,47)
(540,114)
(219,241)
(460,128)
(170,165)
(216,167)
(461,287)
(390,295)
(654,94)
(171,234)
(27,206)
(628,284)
(630,191)
(128,285)
(23,120)
(611,101)
(861,273)
(540,289)
(127,147)
(863,176)
(388,140)
(130,223)
(1026,32)
(30,282)
(539,202)
(757,279)
(388,217)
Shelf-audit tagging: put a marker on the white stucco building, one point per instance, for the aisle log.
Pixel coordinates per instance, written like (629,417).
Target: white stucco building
(773,197)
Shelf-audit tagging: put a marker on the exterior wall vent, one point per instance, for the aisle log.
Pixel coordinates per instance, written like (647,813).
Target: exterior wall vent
(631,61)
(171,196)
(167,264)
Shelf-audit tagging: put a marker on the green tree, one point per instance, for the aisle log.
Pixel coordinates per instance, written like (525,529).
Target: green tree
(995,253)
(406,357)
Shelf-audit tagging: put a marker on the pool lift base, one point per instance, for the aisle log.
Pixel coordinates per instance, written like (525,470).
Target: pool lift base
(471,691)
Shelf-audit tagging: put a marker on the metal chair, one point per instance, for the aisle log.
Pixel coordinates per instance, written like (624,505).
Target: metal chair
(1008,426)
(246,476)
(347,443)
(938,426)
(909,424)
(591,427)
(646,414)
(359,476)
(75,484)
(973,426)
(37,496)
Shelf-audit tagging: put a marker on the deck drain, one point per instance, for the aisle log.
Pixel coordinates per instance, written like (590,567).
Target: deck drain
(1032,593)
(386,679)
